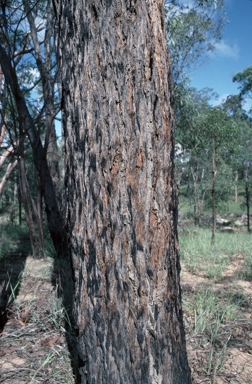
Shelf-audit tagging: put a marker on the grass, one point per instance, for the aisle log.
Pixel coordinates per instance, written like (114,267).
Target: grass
(207,308)
(214,319)
(216,311)
(13,289)
(199,255)
(13,238)
(248,267)
(37,301)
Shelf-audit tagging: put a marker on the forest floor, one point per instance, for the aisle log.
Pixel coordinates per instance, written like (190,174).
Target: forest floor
(219,342)
(34,340)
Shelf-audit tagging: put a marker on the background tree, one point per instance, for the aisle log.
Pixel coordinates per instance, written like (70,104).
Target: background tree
(210,139)
(190,135)
(193,29)
(120,192)
(28,59)
(245,80)
(243,155)
(221,132)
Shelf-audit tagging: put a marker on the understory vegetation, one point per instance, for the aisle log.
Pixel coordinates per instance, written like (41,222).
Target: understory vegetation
(199,256)
(217,302)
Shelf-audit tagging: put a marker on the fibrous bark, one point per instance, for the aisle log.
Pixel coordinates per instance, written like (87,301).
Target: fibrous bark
(120,192)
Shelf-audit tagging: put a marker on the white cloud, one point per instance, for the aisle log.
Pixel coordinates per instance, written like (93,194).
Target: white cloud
(222,49)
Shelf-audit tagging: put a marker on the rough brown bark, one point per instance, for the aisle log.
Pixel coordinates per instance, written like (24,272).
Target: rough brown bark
(120,192)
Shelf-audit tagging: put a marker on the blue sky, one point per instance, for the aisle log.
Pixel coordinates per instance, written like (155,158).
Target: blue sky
(233,53)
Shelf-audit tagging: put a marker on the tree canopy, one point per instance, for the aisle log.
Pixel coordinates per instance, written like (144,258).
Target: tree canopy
(244,79)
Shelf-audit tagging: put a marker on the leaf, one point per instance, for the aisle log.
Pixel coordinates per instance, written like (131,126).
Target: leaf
(49,342)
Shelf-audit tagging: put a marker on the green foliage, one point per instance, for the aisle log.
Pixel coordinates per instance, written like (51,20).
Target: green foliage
(13,238)
(191,32)
(211,135)
(245,80)
(218,126)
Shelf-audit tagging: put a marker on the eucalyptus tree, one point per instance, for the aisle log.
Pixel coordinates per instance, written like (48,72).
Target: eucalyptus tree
(244,78)
(194,167)
(28,62)
(242,161)
(120,192)
(210,137)
(221,133)
(193,29)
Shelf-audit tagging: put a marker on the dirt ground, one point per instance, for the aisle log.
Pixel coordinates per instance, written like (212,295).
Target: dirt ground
(34,347)
(236,359)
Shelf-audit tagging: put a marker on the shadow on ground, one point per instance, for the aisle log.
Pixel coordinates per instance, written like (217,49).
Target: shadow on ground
(13,254)
(62,280)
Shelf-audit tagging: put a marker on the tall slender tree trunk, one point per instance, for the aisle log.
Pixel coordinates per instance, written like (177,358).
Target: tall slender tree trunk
(236,186)
(247,193)
(10,168)
(214,173)
(195,197)
(247,198)
(120,192)
(25,195)
(54,216)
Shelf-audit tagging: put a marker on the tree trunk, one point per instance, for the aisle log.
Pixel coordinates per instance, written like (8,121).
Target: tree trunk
(247,197)
(6,176)
(54,217)
(247,194)
(236,186)
(48,80)
(25,195)
(120,192)
(195,197)
(214,173)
